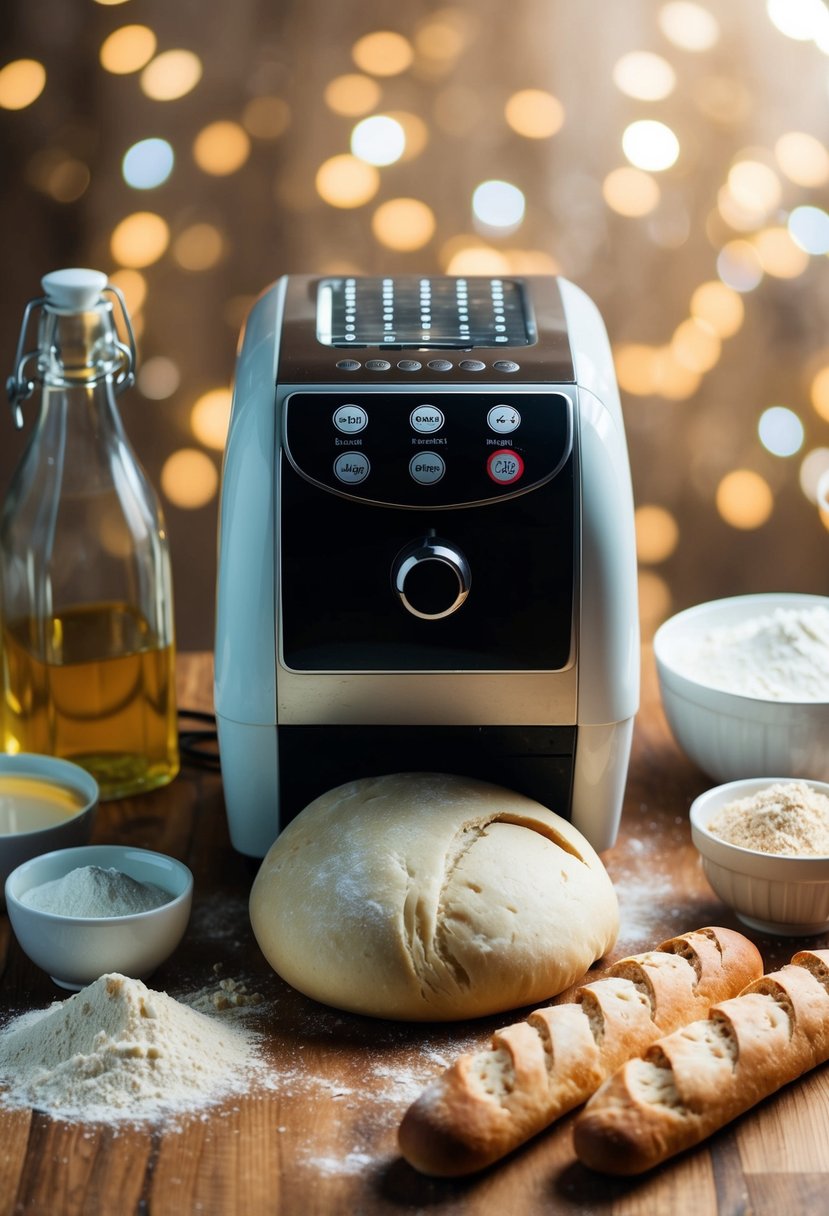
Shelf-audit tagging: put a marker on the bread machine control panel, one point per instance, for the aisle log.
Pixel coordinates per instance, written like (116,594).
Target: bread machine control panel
(422,451)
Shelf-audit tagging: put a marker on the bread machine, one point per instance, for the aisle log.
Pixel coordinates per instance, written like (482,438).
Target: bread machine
(426,556)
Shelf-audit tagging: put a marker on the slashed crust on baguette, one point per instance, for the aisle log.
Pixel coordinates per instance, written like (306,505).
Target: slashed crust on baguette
(692,1082)
(489,1102)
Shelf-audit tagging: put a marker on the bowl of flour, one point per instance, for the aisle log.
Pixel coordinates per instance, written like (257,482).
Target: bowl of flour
(81,913)
(745,685)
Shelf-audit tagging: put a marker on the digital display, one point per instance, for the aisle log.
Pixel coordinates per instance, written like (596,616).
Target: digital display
(416,312)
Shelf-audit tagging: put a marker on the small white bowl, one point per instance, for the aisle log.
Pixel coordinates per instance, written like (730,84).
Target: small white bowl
(726,734)
(76,950)
(785,896)
(74,828)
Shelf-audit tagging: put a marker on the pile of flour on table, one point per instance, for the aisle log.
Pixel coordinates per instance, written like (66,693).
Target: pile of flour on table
(117,1051)
(783,656)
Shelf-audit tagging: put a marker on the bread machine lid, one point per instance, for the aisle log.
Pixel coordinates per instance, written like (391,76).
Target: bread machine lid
(478,324)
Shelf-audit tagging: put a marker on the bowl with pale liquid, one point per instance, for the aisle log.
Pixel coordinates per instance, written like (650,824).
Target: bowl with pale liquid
(45,804)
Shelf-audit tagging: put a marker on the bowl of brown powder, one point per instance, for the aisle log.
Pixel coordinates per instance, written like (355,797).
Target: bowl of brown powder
(764,846)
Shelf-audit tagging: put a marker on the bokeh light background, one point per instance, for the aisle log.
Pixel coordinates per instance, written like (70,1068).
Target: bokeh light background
(671,158)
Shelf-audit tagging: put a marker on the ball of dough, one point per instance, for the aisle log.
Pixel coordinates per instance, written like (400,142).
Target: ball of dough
(423,896)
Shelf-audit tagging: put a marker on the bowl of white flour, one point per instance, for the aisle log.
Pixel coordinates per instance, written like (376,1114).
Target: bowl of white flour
(81,913)
(745,685)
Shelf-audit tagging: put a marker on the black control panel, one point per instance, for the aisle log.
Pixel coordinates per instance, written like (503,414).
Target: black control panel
(428,450)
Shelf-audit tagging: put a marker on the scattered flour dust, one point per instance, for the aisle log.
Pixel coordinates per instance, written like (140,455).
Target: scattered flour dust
(119,1052)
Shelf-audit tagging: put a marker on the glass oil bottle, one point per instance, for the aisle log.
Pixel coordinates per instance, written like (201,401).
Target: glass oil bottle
(87,646)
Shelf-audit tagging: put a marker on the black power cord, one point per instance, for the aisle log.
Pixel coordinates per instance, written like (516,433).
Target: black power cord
(199,745)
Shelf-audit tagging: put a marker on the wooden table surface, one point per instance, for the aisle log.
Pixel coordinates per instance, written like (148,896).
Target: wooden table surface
(323,1138)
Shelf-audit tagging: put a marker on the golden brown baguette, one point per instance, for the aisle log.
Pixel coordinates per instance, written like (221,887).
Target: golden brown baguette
(491,1101)
(701,1077)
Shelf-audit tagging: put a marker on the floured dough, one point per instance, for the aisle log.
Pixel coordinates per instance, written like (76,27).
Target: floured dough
(423,896)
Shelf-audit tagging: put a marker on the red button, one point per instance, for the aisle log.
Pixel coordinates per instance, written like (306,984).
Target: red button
(505,466)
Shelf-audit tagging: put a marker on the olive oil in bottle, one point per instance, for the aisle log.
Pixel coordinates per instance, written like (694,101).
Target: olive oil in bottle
(87,658)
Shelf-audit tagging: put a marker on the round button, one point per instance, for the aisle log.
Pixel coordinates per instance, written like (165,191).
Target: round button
(426,418)
(348,365)
(472,365)
(505,466)
(378,365)
(427,468)
(439,365)
(432,578)
(409,365)
(502,419)
(350,419)
(505,365)
(351,468)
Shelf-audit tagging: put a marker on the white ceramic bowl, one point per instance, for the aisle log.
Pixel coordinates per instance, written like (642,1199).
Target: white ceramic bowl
(729,735)
(74,829)
(76,950)
(785,896)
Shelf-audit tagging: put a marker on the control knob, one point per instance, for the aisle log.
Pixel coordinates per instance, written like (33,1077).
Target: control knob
(432,577)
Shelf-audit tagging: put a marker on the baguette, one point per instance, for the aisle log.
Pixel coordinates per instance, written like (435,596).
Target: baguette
(696,1080)
(489,1102)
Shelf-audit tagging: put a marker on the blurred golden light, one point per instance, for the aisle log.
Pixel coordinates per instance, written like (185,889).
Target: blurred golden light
(379,140)
(134,287)
(109,3)
(171,75)
(345,181)
(823,500)
(819,393)
(649,144)
(803,158)
(477,259)
(531,261)
(534,113)
(635,368)
(754,186)
(672,379)
(744,499)
(403,224)
(139,240)
(189,478)
(779,255)
(689,26)
(383,53)
(67,179)
(722,99)
(813,467)
(221,148)
(744,217)
(645,76)
(657,534)
(415,130)
(718,306)
(655,601)
(695,345)
(158,378)
(198,247)
(630,192)
(266,117)
(128,49)
(352,94)
(442,36)
(210,417)
(21,82)
(738,265)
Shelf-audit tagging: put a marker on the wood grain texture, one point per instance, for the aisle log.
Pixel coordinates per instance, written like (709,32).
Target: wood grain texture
(322,1139)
